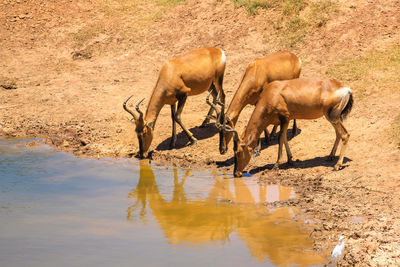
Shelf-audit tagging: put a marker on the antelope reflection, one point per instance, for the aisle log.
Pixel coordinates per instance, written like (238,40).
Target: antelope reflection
(229,206)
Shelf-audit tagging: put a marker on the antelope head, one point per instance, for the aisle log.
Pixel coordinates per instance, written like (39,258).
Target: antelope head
(144,130)
(243,151)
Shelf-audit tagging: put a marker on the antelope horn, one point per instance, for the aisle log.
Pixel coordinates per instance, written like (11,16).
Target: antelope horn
(222,112)
(212,104)
(218,100)
(127,110)
(230,129)
(138,110)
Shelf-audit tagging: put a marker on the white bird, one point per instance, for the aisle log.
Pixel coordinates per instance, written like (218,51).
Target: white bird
(337,252)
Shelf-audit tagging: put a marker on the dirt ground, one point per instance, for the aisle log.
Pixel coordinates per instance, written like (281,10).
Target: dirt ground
(65,83)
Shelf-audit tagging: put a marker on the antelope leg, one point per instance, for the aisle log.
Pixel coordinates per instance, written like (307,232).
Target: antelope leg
(344,136)
(273,133)
(173,139)
(282,138)
(181,104)
(294,130)
(267,137)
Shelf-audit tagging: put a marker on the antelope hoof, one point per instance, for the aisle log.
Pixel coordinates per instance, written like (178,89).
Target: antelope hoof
(192,142)
(238,174)
(290,162)
(337,167)
(276,167)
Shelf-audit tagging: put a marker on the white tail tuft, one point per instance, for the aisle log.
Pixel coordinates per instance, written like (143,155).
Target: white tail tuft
(342,92)
(223,57)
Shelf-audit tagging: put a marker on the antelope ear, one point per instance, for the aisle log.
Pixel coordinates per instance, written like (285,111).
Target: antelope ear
(150,124)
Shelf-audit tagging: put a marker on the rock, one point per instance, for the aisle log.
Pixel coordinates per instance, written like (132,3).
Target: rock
(84,142)
(8,84)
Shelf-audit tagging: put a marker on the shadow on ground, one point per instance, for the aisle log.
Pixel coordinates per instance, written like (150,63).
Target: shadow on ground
(305,164)
(182,140)
(273,141)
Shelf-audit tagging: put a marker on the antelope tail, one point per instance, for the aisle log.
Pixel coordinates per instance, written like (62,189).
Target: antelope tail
(344,106)
(348,107)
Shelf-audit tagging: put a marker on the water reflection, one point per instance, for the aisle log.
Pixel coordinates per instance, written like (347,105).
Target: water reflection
(123,213)
(227,207)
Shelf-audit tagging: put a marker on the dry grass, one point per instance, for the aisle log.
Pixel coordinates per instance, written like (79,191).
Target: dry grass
(253,5)
(377,70)
(125,19)
(300,17)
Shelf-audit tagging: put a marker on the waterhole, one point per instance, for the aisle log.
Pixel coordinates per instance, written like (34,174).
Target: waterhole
(60,210)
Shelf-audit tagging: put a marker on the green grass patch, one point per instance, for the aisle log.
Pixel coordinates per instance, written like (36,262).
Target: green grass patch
(252,5)
(292,7)
(296,17)
(320,12)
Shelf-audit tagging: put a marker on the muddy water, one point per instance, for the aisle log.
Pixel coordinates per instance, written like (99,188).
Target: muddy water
(60,210)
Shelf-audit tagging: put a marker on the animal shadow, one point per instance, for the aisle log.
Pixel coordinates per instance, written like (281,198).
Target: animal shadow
(182,140)
(304,164)
(225,163)
(274,140)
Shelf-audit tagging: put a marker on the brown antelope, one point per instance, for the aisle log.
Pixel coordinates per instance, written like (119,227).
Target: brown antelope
(303,98)
(281,65)
(190,74)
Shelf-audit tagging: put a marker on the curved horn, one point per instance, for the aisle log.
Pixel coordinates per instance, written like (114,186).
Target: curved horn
(138,110)
(230,129)
(212,104)
(127,110)
(219,113)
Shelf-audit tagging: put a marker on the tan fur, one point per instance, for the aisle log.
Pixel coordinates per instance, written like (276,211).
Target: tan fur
(303,98)
(282,65)
(190,74)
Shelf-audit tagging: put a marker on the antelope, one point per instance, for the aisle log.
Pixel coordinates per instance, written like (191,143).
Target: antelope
(190,74)
(281,65)
(302,98)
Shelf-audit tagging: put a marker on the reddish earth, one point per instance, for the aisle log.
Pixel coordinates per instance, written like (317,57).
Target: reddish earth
(68,89)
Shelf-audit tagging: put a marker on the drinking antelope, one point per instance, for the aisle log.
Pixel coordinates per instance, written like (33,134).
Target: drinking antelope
(281,65)
(190,74)
(303,98)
